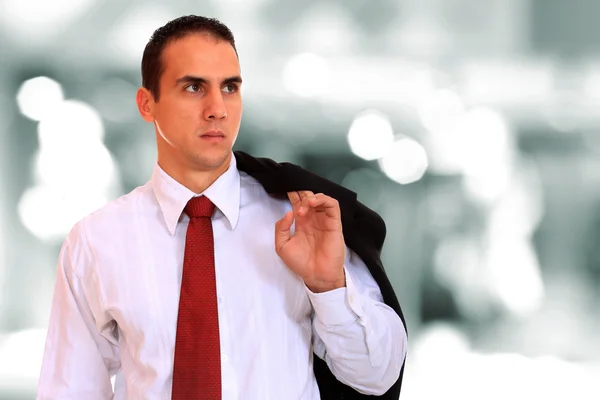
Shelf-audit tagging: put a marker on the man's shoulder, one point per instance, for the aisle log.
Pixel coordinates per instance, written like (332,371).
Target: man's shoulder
(115,211)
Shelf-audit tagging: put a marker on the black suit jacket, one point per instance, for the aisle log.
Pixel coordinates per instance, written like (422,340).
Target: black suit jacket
(364,232)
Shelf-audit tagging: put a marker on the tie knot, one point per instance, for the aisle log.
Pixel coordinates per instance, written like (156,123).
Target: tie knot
(199,207)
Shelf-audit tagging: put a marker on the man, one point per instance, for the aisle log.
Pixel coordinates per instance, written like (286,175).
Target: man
(205,283)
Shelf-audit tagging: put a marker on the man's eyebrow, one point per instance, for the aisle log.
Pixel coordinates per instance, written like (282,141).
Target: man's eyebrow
(204,81)
(233,79)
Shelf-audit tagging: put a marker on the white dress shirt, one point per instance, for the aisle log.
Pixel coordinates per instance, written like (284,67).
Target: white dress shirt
(116,300)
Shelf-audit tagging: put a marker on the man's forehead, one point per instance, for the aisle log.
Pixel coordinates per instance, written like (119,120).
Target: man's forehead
(201,56)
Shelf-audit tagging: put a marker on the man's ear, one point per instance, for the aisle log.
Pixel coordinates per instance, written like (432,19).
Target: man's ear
(145,103)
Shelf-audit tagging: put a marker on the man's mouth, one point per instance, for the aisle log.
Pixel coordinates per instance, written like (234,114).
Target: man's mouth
(214,134)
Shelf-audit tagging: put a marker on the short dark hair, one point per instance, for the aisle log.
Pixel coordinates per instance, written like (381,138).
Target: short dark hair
(152,65)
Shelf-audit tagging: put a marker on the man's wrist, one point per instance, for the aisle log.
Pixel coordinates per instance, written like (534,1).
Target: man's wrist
(321,287)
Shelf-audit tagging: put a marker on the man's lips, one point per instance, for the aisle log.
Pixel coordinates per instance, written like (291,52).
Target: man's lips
(213,137)
(213,134)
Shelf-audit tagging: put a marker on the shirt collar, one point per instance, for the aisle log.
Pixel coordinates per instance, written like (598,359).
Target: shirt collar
(172,196)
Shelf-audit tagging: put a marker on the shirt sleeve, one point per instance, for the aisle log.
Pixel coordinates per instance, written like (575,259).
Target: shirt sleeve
(362,340)
(78,361)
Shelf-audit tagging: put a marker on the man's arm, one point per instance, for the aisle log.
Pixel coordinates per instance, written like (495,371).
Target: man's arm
(78,361)
(362,340)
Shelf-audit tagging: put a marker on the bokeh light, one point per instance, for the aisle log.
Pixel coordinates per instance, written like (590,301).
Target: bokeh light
(306,75)
(39,97)
(370,135)
(35,19)
(49,213)
(21,358)
(72,124)
(405,162)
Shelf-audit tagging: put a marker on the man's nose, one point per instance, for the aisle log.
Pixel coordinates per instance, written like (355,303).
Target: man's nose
(215,106)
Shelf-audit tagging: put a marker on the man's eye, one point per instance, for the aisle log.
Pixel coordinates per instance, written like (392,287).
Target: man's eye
(231,88)
(193,88)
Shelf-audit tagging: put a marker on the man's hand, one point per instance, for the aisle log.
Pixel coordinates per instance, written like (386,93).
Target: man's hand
(316,252)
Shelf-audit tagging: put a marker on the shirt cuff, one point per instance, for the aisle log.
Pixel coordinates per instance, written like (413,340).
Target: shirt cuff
(339,306)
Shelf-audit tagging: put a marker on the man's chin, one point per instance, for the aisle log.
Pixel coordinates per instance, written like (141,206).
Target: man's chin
(213,159)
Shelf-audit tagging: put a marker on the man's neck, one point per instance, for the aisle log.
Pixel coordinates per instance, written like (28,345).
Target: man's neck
(196,180)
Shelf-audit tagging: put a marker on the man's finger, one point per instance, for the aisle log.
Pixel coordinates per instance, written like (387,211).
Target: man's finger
(294,199)
(305,195)
(282,230)
(328,204)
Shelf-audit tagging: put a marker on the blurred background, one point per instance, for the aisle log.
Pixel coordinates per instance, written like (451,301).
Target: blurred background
(471,126)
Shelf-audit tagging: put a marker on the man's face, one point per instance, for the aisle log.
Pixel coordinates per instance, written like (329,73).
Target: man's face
(200,105)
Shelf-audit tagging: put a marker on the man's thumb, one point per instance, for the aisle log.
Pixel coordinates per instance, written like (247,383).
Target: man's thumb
(282,230)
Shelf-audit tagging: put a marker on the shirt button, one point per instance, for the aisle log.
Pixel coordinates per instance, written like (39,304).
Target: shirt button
(224,358)
(219,299)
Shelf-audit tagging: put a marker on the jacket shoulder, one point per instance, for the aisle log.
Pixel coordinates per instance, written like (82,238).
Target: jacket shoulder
(280,177)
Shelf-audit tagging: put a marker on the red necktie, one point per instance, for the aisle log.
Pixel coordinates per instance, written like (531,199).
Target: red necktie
(197,365)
